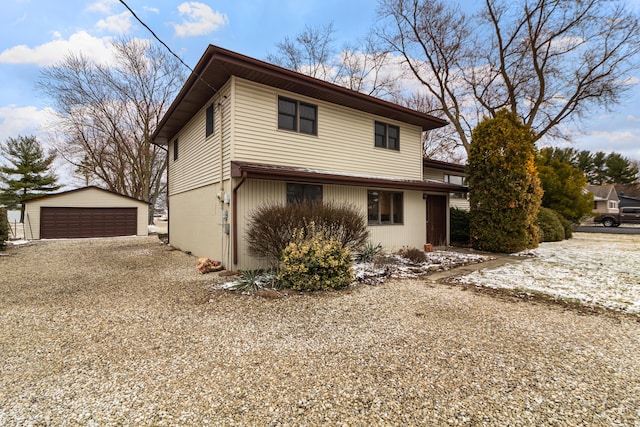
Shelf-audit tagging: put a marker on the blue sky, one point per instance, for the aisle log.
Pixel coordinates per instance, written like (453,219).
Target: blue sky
(37,33)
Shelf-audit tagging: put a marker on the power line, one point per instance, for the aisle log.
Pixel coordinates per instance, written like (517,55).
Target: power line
(165,45)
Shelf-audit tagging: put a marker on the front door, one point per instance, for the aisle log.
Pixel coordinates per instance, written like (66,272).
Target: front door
(437,220)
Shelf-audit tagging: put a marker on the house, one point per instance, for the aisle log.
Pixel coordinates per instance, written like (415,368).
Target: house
(629,195)
(605,198)
(242,133)
(452,173)
(84,212)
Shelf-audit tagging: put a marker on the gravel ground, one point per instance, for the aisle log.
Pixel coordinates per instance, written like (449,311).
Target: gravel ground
(126,332)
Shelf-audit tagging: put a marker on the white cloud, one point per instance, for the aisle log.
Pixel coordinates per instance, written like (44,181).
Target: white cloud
(118,24)
(151,9)
(102,6)
(54,51)
(200,20)
(633,118)
(24,121)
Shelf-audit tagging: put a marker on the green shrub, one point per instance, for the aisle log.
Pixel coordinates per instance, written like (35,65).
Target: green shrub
(271,227)
(566,224)
(4,228)
(253,281)
(368,252)
(504,188)
(459,226)
(414,255)
(314,262)
(550,225)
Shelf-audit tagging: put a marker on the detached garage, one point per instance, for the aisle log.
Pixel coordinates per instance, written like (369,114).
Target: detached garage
(85,212)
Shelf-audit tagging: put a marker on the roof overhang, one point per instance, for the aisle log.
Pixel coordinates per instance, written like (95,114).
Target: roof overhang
(217,65)
(313,176)
(447,166)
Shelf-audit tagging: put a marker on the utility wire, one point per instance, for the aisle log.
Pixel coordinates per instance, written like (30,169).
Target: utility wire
(165,45)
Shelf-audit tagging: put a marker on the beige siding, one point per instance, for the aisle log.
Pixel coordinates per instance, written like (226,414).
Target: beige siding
(254,193)
(433,174)
(196,225)
(344,142)
(198,162)
(85,198)
(456,202)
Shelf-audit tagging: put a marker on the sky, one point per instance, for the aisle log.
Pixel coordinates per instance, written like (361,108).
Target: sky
(39,33)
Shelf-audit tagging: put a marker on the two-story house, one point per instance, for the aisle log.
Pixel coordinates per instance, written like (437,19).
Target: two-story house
(242,133)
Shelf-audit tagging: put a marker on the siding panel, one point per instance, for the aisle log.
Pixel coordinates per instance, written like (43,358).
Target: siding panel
(344,142)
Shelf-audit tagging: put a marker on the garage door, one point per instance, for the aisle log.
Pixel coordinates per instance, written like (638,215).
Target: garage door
(59,223)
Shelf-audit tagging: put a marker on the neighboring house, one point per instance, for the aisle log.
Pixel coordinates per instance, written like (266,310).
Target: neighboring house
(629,195)
(242,133)
(84,212)
(605,198)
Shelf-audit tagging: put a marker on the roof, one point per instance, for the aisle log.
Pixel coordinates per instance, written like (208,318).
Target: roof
(603,192)
(277,172)
(46,196)
(439,164)
(217,65)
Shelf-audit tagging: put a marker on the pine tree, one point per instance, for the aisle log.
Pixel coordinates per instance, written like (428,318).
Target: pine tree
(505,191)
(27,174)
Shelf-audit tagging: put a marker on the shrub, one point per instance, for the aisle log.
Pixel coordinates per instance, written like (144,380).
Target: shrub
(551,229)
(4,228)
(504,188)
(414,255)
(315,262)
(368,253)
(271,227)
(459,226)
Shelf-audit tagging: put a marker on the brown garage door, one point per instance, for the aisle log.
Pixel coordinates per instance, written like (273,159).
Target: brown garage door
(59,223)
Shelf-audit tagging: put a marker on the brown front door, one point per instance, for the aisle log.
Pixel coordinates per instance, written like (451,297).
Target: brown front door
(437,220)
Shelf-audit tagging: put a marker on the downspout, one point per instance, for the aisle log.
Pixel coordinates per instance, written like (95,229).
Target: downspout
(234,203)
(221,192)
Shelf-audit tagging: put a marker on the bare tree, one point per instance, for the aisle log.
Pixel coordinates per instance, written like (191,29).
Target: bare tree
(549,61)
(361,66)
(107,114)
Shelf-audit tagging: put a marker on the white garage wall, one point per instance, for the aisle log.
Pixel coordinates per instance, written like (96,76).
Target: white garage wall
(88,197)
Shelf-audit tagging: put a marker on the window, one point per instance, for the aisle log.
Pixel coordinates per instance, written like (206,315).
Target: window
(384,207)
(387,136)
(455,179)
(210,120)
(175,149)
(297,116)
(304,193)
(613,204)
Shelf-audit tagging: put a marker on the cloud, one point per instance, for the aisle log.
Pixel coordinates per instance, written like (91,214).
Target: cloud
(23,121)
(54,51)
(118,24)
(633,118)
(200,20)
(102,6)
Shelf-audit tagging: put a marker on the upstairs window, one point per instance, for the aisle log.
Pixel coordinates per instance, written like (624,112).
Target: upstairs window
(297,116)
(210,120)
(384,207)
(304,193)
(455,179)
(175,149)
(387,136)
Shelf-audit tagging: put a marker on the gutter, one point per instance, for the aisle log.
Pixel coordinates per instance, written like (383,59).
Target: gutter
(234,207)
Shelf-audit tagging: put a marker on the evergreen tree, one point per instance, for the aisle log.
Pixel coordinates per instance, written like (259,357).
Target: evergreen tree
(620,170)
(28,173)
(563,185)
(505,192)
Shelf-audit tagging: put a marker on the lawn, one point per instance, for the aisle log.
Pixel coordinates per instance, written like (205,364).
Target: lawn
(592,269)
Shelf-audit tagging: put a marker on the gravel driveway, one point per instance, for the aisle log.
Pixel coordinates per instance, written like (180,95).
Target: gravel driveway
(125,331)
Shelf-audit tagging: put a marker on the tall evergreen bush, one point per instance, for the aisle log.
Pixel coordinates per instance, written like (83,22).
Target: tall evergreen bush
(505,191)
(4,228)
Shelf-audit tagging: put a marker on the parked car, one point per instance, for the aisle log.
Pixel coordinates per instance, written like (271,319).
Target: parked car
(628,215)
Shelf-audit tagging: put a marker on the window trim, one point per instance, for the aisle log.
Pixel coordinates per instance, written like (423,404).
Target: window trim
(392,212)
(297,119)
(386,136)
